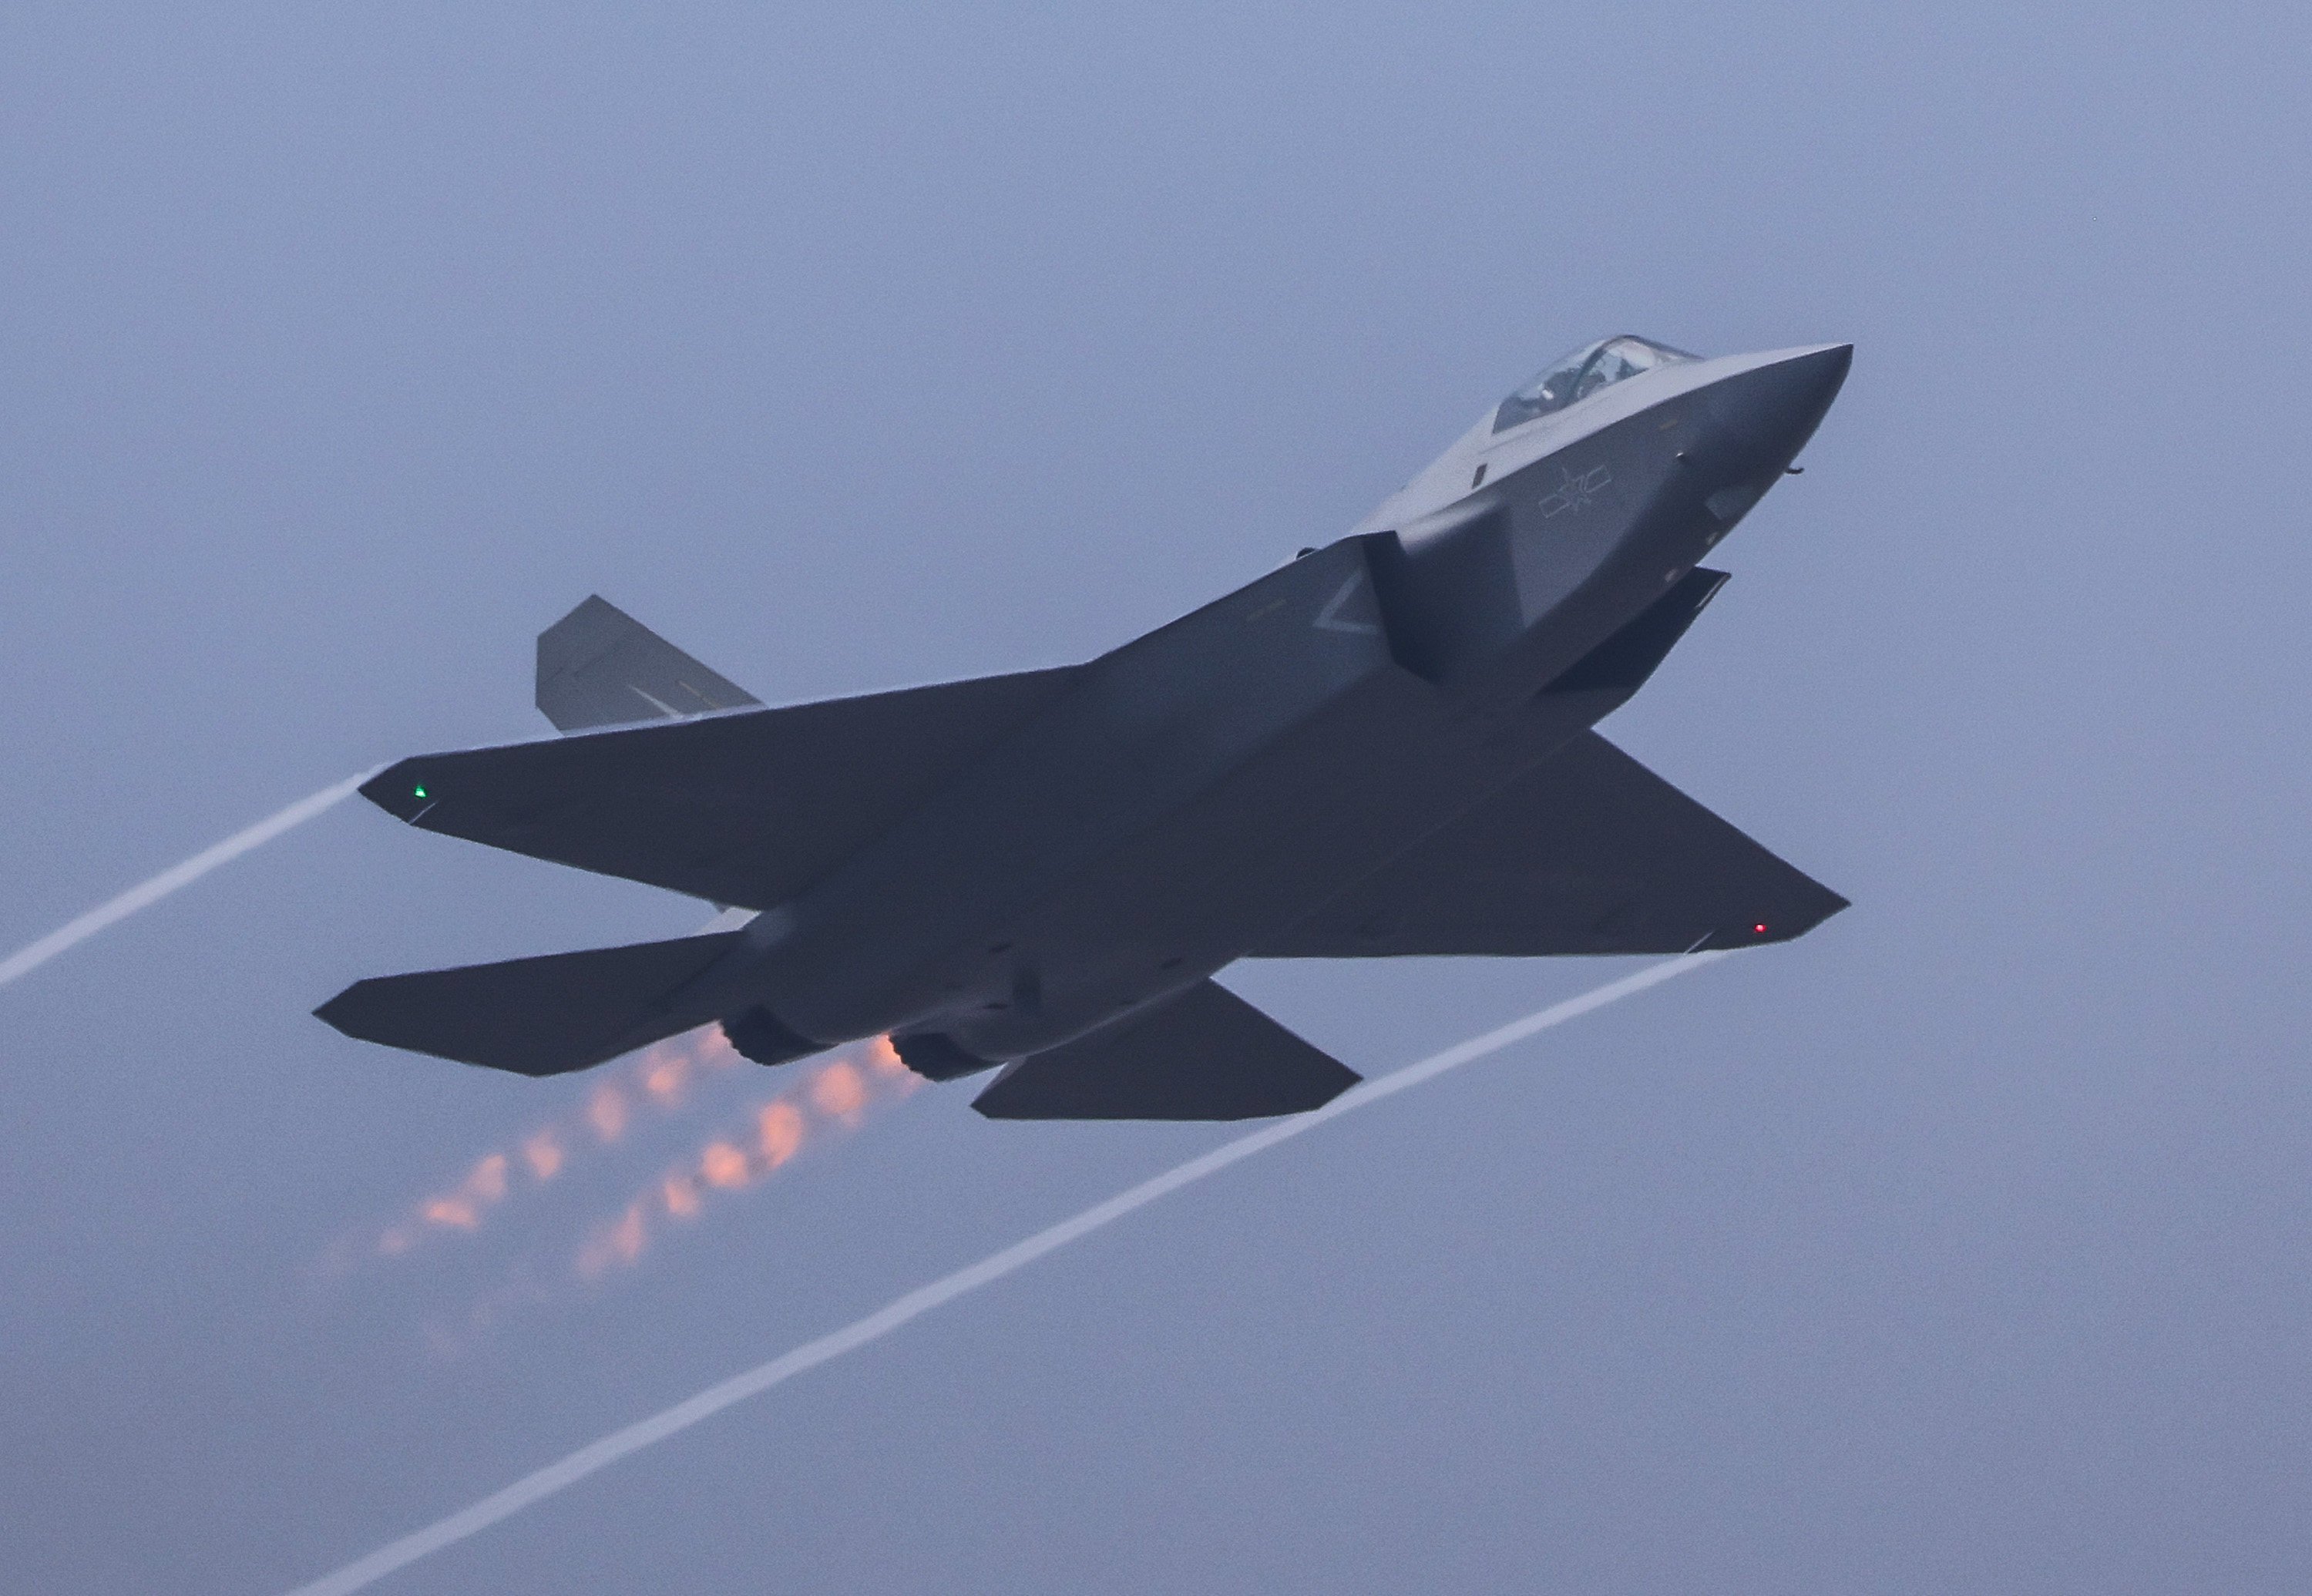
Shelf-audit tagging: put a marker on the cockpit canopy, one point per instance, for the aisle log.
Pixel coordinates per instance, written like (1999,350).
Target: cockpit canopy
(1581,374)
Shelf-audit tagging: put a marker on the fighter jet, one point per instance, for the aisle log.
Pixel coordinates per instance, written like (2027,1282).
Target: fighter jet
(1382,747)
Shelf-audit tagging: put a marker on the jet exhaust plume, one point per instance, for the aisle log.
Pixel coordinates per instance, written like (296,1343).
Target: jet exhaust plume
(146,894)
(832,1100)
(835,1099)
(607,1112)
(559,1476)
(659,1078)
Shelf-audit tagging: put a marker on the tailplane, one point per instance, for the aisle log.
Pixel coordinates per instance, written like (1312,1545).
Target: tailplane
(543,1016)
(1206,1054)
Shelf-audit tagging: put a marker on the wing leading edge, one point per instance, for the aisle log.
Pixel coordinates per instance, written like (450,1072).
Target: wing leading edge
(746,808)
(1587,852)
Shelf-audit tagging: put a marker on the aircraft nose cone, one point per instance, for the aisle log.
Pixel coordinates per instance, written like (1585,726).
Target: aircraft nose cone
(1777,405)
(1805,385)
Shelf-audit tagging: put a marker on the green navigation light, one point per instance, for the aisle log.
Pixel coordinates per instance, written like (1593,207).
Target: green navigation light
(417,792)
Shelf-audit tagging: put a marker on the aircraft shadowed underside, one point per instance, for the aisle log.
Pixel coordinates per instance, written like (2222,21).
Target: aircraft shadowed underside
(1383,748)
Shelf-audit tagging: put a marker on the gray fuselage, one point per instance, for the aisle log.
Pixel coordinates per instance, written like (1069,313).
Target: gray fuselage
(1206,786)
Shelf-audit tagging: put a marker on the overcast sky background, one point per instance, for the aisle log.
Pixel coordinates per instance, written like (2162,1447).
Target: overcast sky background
(1961,1244)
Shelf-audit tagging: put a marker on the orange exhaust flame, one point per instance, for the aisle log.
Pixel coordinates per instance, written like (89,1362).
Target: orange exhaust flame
(607,1113)
(661,1078)
(827,1101)
(835,1097)
(839,1092)
(488,1180)
(627,1235)
(451,1213)
(665,1078)
(782,1126)
(723,1165)
(461,1209)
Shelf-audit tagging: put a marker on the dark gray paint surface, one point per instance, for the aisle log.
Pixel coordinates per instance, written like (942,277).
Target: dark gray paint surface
(1201,1054)
(597,666)
(744,809)
(1089,845)
(1587,852)
(539,1016)
(1960,1245)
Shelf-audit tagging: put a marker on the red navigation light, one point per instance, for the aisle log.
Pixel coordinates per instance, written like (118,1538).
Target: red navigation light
(1760,928)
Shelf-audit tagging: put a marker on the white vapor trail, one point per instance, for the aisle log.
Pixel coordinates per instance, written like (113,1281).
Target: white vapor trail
(560,1475)
(144,895)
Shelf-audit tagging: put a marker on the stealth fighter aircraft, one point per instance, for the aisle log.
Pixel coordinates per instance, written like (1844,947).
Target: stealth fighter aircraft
(1385,746)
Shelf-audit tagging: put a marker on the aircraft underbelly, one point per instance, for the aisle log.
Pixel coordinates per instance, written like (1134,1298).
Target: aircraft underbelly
(944,913)
(1194,794)
(1380,769)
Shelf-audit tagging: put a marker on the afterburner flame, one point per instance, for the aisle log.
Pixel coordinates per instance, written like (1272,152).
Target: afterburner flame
(780,1127)
(723,1165)
(835,1098)
(660,1078)
(627,1235)
(839,1092)
(666,1078)
(607,1113)
(820,1100)
(452,1213)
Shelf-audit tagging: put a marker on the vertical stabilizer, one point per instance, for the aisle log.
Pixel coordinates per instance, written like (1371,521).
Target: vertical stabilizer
(598,666)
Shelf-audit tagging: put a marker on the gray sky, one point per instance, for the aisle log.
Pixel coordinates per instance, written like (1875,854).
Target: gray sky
(1961,1243)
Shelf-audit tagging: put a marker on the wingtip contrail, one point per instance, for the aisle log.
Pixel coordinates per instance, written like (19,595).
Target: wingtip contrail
(567,1471)
(144,894)
(588,1460)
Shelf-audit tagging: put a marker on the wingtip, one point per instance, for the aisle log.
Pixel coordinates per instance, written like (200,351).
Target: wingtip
(1782,928)
(333,1013)
(401,791)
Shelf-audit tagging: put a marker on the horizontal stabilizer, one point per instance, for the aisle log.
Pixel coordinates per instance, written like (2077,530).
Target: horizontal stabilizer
(598,666)
(534,1016)
(745,809)
(1588,852)
(1204,1055)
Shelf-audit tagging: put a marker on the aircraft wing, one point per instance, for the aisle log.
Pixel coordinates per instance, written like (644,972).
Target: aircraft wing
(541,1016)
(745,808)
(1590,852)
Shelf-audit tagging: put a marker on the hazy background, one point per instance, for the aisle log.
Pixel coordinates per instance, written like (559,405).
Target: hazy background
(1960,1245)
